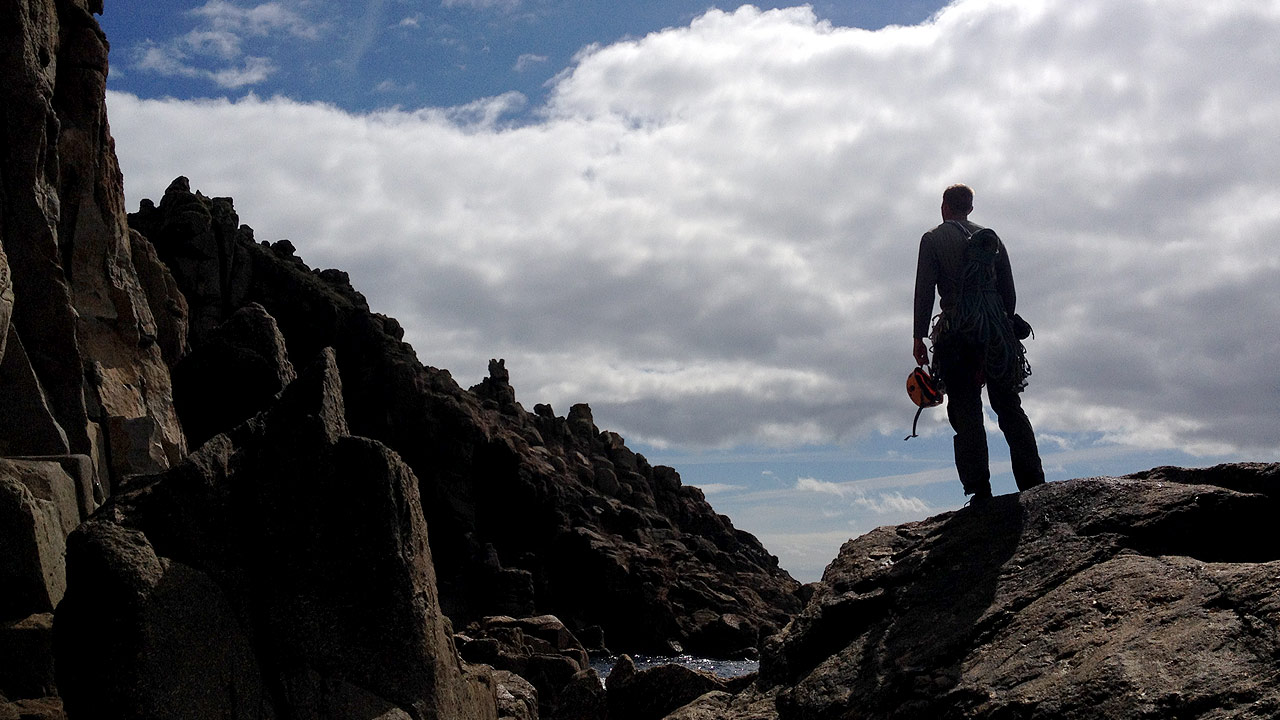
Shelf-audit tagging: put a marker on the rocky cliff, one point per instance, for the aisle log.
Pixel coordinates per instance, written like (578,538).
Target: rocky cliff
(529,513)
(1148,596)
(221,533)
(85,392)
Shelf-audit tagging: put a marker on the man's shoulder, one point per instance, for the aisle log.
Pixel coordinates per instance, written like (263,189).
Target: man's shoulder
(946,231)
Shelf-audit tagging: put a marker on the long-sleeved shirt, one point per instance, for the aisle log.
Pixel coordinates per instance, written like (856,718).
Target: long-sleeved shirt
(941,261)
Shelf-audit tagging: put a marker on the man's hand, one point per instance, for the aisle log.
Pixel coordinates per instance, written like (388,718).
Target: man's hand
(921,352)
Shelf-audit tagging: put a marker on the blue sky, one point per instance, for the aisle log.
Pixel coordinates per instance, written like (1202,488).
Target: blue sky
(409,53)
(703,221)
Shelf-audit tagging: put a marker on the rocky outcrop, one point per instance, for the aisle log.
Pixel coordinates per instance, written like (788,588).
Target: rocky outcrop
(92,366)
(543,655)
(653,693)
(85,396)
(529,513)
(1151,595)
(282,570)
(235,374)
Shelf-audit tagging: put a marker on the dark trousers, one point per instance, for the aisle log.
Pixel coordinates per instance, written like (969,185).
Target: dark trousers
(960,371)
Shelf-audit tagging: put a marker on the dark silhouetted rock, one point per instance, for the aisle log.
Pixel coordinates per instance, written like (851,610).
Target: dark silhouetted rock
(282,570)
(1146,596)
(529,513)
(543,652)
(236,373)
(26,658)
(653,693)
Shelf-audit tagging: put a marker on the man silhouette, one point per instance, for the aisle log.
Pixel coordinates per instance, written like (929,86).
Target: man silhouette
(961,361)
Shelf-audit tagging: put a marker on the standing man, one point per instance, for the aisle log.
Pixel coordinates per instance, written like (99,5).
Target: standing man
(973,342)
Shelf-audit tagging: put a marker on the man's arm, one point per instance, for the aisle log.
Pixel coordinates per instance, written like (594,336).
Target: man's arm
(926,283)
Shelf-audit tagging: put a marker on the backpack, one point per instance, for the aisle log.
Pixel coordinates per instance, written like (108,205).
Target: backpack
(979,319)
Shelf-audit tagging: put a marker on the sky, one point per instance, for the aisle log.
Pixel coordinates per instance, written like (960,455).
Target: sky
(703,220)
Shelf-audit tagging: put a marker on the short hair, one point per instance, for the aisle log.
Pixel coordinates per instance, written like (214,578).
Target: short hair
(959,198)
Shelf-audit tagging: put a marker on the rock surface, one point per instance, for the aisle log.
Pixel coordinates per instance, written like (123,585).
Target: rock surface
(282,570)
(85,394)
(542,652)
(233,375)
(1153,595)
(71,290)
(529,513)
(653,693)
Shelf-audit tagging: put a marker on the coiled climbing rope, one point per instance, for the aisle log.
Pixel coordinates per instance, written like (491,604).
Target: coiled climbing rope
(979,318)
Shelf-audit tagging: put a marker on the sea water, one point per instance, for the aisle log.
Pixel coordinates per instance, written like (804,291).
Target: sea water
(721,668)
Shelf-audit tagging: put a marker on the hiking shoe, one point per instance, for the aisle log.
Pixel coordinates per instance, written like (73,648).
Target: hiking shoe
(980,498)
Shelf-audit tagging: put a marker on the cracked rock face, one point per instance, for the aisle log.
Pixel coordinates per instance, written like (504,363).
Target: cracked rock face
(1152,595)
(76,288)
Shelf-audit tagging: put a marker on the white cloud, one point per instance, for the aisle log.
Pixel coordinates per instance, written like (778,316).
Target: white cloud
(894,502)
(252,70)
(214,50)
(718,488)
(528,60)
(808,484)
(263,19)
(710,232)
(173,62)
(882,503)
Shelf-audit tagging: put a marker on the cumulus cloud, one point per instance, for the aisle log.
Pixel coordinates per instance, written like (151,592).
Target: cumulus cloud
(709,233)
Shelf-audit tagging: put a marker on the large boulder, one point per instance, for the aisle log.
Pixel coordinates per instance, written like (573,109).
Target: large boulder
(234,374)
(653,693)
(1151,595)
(544,653)
(40,504)
(282,570)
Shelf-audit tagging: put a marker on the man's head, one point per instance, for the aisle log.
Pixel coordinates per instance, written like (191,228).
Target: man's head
(957,202)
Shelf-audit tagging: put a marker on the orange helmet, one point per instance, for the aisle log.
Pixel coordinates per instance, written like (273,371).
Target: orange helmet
(925,391)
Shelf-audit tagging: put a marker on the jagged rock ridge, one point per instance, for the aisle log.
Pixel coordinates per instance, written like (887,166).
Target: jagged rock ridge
(109,376)
(529,513)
